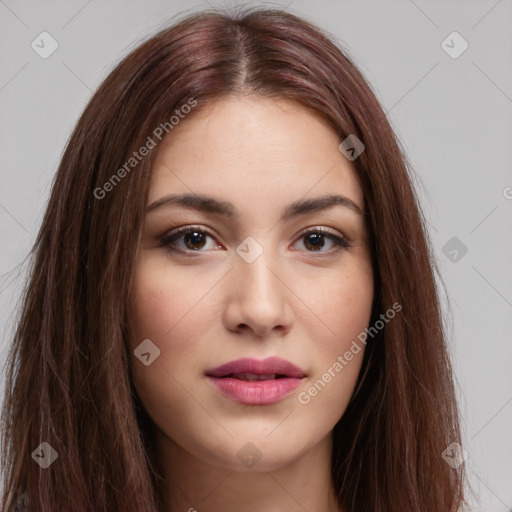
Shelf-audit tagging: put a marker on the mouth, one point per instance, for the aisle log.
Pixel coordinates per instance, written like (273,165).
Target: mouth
(256,369)
(256,382)
(254,376)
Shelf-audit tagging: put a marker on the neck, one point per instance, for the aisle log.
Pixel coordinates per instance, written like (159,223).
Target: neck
(194,485)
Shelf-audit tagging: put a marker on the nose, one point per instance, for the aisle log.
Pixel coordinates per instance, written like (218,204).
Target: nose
(258,298)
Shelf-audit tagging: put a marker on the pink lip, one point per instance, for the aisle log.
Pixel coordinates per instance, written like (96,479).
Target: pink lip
(256,392)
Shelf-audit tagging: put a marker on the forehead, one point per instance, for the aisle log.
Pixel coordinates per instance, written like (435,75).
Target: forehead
(253,151)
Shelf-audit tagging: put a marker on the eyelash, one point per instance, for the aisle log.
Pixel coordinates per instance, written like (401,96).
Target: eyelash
(170,238)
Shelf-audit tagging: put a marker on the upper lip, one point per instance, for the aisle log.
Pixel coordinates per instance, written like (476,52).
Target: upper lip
(258,367)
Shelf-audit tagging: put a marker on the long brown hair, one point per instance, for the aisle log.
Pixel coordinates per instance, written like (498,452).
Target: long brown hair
(68,374)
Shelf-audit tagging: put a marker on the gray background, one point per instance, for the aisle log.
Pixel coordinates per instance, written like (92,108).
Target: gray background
(453,116)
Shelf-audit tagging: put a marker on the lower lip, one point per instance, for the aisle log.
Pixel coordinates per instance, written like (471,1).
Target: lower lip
(256,392)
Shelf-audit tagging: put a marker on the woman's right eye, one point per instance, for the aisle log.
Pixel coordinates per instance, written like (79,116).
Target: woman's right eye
(193,240)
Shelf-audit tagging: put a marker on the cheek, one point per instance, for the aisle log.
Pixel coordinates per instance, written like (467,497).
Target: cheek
(170,311)
(353,310)
(342,301)
(168,305)
(343,305)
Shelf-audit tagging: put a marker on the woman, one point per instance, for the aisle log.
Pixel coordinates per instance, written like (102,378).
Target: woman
(232,304)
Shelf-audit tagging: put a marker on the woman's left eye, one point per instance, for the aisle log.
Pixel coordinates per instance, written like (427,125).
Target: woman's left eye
(194,239)
(315,238)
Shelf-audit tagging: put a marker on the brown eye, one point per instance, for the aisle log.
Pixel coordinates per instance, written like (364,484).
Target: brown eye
(192,239)
(315,240)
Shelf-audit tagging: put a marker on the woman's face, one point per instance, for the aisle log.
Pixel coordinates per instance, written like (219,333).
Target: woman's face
(253,278)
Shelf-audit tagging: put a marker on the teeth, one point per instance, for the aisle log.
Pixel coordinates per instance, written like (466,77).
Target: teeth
(253,376)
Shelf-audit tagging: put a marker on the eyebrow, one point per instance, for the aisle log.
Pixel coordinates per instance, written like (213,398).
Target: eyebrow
(201,202)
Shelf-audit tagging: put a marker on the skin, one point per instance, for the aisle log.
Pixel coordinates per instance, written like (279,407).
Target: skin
(210,306)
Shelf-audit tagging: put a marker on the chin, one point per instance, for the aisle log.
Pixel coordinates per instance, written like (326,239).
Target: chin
(251,453)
